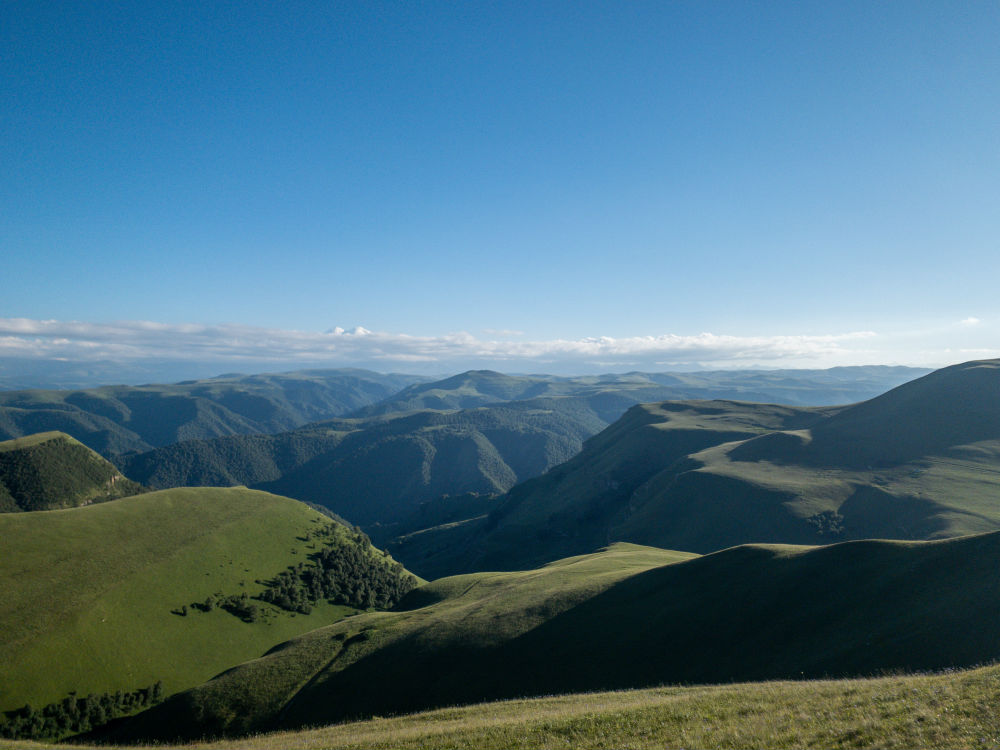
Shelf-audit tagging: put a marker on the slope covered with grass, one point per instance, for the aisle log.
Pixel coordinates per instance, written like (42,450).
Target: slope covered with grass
(955,709)
(94,597)
(919,462)
(52,470)
(623,618)
(573,507)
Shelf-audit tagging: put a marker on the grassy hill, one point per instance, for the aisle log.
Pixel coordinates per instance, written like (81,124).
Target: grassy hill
(623,618)
(572,508)
(119,419)
(52,470)
(919,462)
(953,709)
(103,598)
(946,710)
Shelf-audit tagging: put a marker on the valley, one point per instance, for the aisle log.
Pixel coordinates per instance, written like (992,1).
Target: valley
(543,550)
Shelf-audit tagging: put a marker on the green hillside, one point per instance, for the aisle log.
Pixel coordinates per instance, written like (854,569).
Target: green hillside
(919,462)
(953,709)
(119,419)
(52,470)
(627,617)
(572,508)
(109,597)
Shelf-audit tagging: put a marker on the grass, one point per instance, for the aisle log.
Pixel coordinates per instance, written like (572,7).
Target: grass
(951,710)
(919,462)
(628,617)
(389,651)
(31,440)
(88,592)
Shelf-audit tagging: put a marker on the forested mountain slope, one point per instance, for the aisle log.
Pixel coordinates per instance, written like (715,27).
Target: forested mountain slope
(118,419)
(52,470)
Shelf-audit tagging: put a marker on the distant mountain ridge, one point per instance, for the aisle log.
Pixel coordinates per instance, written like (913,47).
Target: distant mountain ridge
(121,419)
(838,385)
(478,432)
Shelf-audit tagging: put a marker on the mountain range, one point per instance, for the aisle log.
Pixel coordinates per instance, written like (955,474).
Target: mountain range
(682,541)
(918,462)
(120,419)
(476,434)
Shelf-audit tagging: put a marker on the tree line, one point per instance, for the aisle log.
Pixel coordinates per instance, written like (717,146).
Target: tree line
(74,715)
(345,570)
(348,572)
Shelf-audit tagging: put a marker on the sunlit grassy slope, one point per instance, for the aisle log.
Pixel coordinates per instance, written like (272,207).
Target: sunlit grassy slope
(87,592)
(623,618)
(952,710)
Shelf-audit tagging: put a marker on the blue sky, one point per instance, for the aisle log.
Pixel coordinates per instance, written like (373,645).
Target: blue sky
(528,186)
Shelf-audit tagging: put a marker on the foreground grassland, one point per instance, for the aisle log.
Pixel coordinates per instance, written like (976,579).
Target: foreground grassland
(628,617)
(88,592)
(954,710)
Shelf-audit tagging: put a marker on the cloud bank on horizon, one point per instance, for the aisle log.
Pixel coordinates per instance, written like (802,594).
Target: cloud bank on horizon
(132,341)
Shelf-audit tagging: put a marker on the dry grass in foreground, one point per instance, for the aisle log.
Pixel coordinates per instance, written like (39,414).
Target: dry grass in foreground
(958,709)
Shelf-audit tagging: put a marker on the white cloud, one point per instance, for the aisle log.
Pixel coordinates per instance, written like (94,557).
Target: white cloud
(970,321)
(503,332)
(137,340)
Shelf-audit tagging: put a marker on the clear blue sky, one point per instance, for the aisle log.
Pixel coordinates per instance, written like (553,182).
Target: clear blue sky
(565,170)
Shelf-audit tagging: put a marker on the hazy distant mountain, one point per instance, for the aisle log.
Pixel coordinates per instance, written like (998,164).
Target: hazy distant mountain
(478,432)
(919,462)
(119,419)
(838,385)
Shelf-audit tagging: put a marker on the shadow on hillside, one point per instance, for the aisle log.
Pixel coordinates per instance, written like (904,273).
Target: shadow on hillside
(748,613)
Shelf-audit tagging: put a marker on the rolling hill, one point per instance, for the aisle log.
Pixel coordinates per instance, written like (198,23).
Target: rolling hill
(478,434)
(160,587)
(919,462)
(119,419)
(52,470)
(622,618)
(943,710)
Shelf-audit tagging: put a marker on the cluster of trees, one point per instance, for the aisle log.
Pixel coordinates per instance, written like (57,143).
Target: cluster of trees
(236,604)
(57,473)
(344,571)
(74,715)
